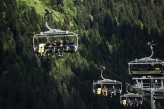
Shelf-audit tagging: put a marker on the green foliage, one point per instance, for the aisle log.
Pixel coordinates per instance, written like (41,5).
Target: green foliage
(111,33)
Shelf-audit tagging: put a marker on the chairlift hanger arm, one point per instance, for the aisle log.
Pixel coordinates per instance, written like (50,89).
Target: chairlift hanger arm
(150,44)
(128,85)
(105,79)
(151,47)
(102,68)
(55,32)
(52,31)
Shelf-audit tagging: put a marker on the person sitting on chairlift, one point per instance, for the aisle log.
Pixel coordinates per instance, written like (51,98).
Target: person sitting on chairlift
(124,102)
(65,47)
(135,102)
(128,102)
(104,91)
(47,46)
(60,48)
(54,44)
(112,91)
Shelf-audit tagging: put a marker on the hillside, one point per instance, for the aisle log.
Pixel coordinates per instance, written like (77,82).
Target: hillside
(111,33)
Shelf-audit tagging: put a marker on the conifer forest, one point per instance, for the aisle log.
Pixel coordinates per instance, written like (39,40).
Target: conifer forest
(111,33)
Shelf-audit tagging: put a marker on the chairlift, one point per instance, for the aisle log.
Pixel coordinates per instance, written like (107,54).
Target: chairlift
(41,47)
(54,41)
(131,100)
(107,87)
(147,65)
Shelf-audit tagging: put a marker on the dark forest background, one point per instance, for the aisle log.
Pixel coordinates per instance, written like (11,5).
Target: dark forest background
(111,33)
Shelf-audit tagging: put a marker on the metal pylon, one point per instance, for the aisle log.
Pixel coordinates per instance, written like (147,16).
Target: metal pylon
(150,84)
(153,105)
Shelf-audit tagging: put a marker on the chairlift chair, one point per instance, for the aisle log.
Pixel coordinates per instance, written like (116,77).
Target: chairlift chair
(131,100)
(146,66)
(107,87)
(41,48)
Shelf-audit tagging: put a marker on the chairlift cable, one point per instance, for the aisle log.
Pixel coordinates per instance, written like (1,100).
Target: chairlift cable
(157,51)
(146,40)
(51,11)
(120,78)
(117,77)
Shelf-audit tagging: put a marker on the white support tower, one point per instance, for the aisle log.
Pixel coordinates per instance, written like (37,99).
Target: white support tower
(154,85)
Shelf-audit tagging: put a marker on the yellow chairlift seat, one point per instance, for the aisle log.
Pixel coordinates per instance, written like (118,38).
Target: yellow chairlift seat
(124,102)
(98,91)
(157,68)
(41,48)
